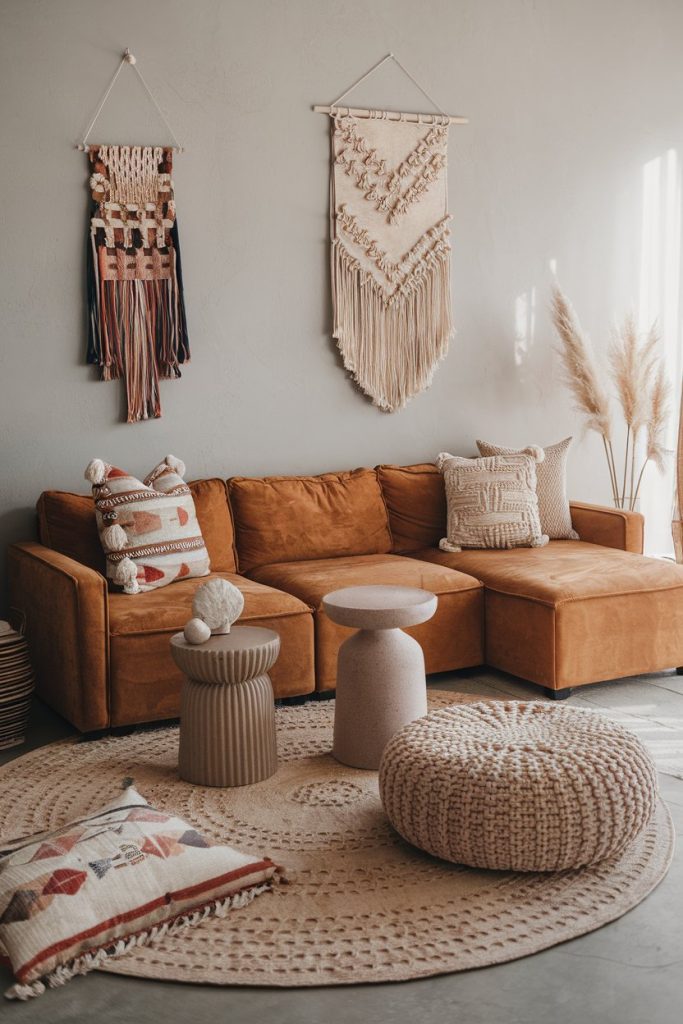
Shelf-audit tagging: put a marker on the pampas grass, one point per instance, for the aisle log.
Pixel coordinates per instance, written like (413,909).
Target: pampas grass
(641,387)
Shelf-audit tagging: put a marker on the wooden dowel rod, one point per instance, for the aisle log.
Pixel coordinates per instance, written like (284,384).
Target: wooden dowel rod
(175,149)
(391,115)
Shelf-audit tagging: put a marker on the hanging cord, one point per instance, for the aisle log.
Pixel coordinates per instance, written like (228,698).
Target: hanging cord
(376,67)
(128,58)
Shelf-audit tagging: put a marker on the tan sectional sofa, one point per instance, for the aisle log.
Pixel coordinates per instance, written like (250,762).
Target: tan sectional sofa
(572,613)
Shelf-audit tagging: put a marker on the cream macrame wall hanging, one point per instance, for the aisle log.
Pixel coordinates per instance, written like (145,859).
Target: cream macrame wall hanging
(391,289)
(137,328)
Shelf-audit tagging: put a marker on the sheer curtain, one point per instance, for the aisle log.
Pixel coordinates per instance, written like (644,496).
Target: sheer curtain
(660,299)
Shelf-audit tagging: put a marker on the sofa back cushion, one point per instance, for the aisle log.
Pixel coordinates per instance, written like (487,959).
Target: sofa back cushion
(296,518)
(66,523)
(416,500)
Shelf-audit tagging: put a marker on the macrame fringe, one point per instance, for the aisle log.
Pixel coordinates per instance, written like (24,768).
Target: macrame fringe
(91,961)
(392,345)
(139,325)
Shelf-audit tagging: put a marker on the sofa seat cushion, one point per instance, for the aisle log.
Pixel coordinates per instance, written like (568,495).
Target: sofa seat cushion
(145,682)
(573,613)
(451,639)
(289,518)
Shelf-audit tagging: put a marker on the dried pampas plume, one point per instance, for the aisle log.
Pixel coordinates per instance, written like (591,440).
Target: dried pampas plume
(582,377)
(581,372)
(642,390)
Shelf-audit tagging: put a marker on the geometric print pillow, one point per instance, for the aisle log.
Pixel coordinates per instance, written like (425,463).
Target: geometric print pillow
(553,504)
(149,530)
(491,502)
(116,878)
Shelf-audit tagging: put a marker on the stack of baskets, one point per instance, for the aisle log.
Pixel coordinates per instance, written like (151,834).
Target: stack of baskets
(16,686)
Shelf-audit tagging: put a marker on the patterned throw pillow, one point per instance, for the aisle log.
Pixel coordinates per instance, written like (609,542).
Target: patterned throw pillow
(492,502)
(120,877)
(149,530)
(551,487)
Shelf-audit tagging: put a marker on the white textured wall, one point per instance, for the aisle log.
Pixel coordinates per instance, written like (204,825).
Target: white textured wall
(568,101)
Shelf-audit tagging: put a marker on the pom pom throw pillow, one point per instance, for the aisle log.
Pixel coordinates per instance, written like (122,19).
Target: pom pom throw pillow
(491,502)
(149,530)
(551,487)
(116,878)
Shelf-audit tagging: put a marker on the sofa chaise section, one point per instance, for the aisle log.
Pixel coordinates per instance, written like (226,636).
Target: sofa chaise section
(575,612)
(570,613)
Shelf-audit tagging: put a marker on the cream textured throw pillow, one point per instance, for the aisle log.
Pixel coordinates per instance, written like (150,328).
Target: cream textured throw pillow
(553,504)
(149,530)
(492,502)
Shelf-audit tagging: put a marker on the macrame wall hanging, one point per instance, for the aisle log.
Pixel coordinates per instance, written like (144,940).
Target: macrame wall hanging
(137,328)
(390,258)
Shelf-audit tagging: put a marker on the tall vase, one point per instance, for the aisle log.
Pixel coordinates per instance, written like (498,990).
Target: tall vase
(677,524)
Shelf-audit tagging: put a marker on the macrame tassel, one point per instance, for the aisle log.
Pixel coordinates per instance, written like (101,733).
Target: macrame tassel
(391,346)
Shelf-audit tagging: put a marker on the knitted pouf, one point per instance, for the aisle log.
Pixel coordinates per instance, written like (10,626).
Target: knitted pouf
(517,786)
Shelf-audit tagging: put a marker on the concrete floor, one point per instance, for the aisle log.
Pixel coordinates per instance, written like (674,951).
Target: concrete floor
(629,972)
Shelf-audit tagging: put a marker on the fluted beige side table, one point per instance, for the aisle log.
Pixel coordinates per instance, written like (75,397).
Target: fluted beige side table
(381,682)
(227,712)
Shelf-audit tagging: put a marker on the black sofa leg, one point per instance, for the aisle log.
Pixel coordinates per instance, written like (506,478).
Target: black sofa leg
(679,670)
(558,694)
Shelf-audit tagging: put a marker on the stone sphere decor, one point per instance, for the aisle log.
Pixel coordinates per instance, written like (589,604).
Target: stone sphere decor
(219,603)
(196,631)
(518,786)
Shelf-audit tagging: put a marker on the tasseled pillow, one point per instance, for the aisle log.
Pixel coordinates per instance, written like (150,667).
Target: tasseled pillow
(149,530)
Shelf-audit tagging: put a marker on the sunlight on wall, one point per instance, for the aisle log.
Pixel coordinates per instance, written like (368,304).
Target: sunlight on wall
(659,299)
(525,325)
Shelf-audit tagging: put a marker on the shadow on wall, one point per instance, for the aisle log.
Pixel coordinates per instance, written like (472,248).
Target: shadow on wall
(21,523)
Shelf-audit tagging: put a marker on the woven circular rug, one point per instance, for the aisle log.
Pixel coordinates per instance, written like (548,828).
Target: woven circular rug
(362,905)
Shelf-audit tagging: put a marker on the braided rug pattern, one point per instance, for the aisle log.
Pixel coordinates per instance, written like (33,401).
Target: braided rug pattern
(362,905)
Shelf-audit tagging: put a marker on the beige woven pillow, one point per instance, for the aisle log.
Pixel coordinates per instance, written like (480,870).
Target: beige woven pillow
(551,487)
(492,502)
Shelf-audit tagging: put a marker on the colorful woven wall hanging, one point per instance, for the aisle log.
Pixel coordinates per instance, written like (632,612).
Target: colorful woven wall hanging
(137,327)
(391,287)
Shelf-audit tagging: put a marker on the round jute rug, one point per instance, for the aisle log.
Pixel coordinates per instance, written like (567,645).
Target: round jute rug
(362,905)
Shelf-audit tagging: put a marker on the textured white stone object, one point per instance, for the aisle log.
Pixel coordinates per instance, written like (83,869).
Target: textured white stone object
(196,631)
(219,603)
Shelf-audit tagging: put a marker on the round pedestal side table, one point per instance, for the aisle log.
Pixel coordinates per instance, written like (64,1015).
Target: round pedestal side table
(380,670)
(227,711)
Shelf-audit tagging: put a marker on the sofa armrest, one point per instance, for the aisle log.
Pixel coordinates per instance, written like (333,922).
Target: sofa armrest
(65,608)
(611,527)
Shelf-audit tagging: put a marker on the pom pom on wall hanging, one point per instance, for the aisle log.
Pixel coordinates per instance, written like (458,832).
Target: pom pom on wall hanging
(137,330)
(390,257)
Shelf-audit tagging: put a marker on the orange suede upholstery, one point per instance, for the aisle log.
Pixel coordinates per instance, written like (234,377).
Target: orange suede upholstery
(416,503)
(215,519)
(145,682)
(450,640)
(64,606)
(611,527)
(291,518)
(574,612)
(66,523)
